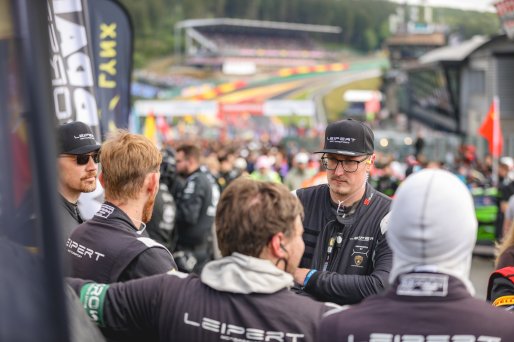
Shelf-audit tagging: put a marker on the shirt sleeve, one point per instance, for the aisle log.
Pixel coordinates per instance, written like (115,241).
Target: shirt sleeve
(155,260)
(351,289)
(128,309)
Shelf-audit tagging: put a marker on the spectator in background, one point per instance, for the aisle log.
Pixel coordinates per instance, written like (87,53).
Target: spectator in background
(432,232)
(77,167)
(508,218)
(299,172)
(506,190)
(113,245)
(227,170)
(319,178)
(264,171)
(243,296)
(346,256)
(196,207)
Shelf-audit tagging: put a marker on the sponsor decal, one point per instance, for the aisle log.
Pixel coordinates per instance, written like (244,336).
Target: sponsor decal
(381,337)
(81,251)
(434,285)
(360,255)
(358,260)
(232,332)
(105,211)
(361,238)
(504,300)
(340,140)
(84,136)
(92,297)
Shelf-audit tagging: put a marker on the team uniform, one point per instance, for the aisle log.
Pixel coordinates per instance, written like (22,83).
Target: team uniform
(256,307)
(350,252)
(108,248)
(420,307)
(196,208)
(70,216)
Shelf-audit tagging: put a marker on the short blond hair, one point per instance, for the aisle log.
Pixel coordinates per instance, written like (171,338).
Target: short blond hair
(126,159)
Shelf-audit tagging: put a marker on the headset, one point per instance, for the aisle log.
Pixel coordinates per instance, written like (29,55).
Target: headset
(283,248)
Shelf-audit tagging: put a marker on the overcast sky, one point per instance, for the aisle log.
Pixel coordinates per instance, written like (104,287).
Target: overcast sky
(477,5)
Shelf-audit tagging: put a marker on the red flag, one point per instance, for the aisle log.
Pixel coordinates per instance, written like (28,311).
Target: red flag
(491,130)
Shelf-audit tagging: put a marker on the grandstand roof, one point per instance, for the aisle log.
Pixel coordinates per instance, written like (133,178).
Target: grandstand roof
(192,23)
(456,53)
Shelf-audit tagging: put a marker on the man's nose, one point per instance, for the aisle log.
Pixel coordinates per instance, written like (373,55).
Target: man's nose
(339,168)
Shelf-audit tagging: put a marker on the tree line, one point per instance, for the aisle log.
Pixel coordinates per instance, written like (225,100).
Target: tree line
(364,23)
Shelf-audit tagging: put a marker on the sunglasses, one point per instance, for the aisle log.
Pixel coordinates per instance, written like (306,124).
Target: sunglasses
(83,159)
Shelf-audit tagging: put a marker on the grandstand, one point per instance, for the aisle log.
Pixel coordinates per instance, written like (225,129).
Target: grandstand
(222,41)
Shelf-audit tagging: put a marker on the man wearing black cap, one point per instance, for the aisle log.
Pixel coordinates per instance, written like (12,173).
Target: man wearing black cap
(346,254)
(77,165)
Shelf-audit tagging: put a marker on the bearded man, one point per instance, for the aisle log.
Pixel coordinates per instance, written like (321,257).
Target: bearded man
(77,165)
(114,246)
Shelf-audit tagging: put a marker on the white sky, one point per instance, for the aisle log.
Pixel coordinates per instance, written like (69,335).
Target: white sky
(477,5)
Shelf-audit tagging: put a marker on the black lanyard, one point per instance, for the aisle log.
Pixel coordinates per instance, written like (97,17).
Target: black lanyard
(337,240)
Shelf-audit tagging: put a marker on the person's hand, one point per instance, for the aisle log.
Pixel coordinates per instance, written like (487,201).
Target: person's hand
(299,275)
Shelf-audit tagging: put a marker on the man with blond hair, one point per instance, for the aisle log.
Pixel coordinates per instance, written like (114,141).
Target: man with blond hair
(113,245)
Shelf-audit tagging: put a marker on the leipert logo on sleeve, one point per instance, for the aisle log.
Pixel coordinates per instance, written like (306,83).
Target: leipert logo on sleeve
(80,251)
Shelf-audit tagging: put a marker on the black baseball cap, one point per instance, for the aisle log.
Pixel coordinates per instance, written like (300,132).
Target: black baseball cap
(348,137)
(76,138)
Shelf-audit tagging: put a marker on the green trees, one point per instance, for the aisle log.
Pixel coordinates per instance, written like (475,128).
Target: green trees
(364,23)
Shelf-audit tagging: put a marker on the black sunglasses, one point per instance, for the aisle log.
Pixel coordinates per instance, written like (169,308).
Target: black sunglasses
(83,159)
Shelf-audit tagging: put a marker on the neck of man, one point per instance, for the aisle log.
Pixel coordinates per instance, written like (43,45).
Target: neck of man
(70,195)
(132,208)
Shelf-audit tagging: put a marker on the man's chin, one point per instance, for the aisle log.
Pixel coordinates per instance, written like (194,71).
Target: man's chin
(87,189)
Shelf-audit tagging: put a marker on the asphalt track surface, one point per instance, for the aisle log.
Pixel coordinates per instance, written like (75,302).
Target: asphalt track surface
(481,268)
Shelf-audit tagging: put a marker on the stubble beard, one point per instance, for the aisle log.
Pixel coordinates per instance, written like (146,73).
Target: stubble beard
(148,210)
(87,187)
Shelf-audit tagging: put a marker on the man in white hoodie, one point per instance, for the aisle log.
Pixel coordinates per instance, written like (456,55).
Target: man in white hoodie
(432,232)
(242,296)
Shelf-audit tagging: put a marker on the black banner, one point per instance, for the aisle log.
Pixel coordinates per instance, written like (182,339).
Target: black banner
(71,65)
(111,40)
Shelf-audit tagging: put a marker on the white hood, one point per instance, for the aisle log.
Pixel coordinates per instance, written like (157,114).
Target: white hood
(432,226)
(240,273)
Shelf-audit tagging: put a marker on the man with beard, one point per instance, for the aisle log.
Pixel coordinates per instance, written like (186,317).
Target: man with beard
(113,245)
(77,165)
(346,254)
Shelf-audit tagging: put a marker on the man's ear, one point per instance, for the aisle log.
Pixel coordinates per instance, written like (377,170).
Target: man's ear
(276,245)
(153,182)
(371,160)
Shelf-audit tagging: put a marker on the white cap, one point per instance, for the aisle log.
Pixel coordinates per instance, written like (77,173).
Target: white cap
(240,163)
(432,226)
(301,158)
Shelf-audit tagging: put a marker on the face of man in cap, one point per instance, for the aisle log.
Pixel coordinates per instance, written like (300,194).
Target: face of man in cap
(348,154)
(78,158)
(75,178)
(341,180)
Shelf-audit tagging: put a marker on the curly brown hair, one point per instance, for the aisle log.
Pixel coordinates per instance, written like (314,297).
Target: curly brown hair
(250,212)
